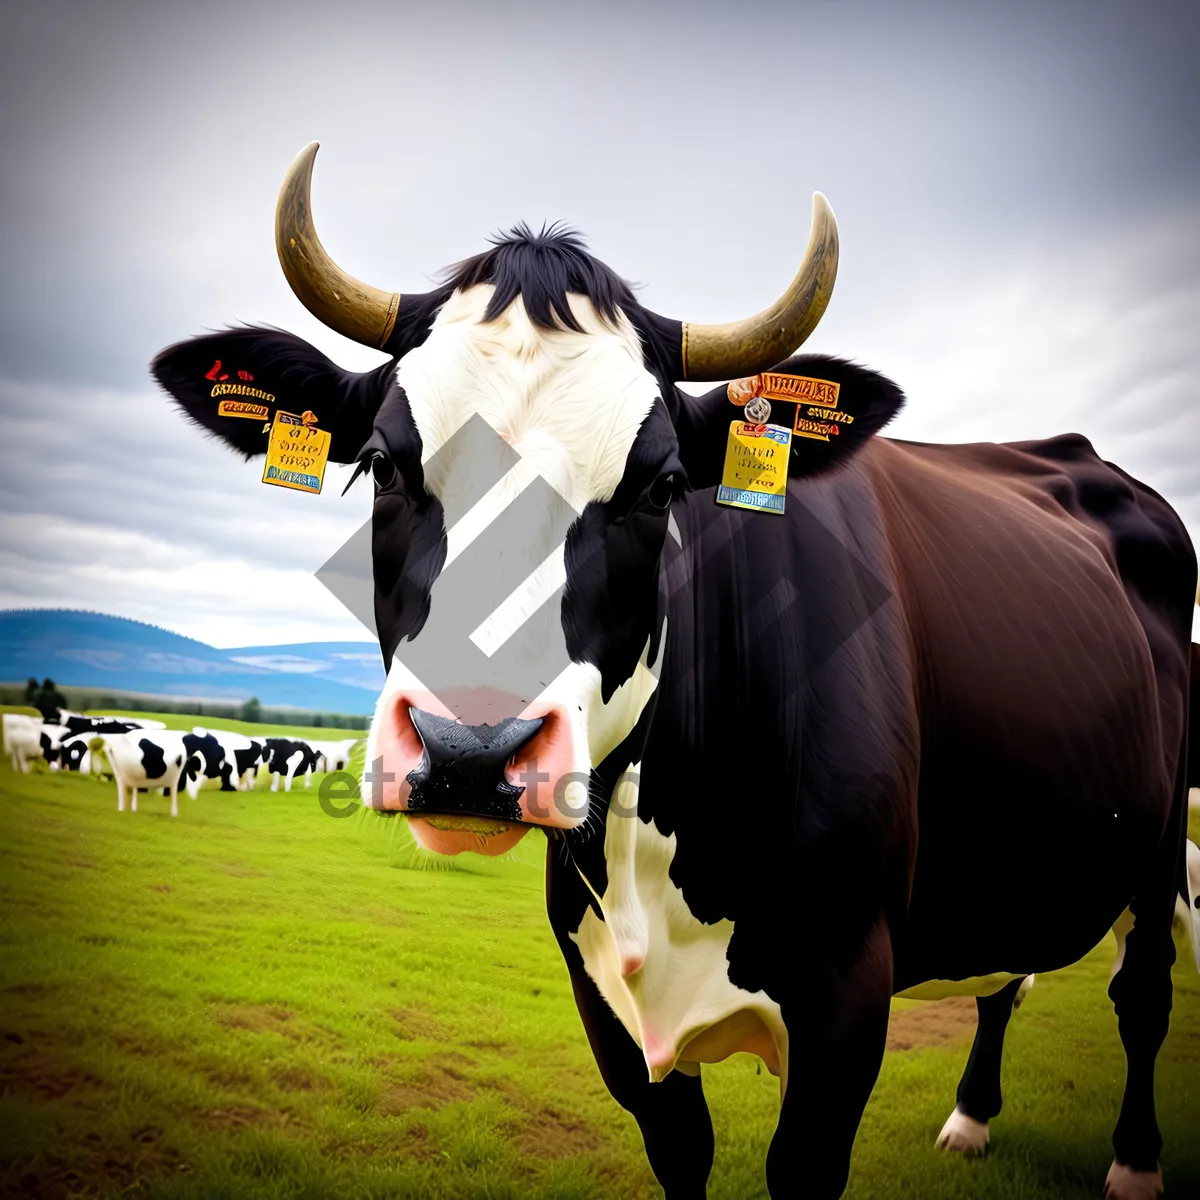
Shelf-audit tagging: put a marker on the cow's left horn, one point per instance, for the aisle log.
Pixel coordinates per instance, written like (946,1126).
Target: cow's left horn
(717,352)
(353,308)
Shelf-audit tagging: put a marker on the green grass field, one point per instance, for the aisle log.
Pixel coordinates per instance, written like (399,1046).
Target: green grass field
(259,1000)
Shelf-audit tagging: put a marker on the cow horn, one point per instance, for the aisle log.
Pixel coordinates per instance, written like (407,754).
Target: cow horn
(353,308)
(717,352)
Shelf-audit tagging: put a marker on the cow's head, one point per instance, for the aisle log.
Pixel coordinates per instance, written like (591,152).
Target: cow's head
(525,442)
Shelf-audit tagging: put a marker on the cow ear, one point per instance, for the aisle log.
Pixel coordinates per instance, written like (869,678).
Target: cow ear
(838,406)
(232,383)
(832,407)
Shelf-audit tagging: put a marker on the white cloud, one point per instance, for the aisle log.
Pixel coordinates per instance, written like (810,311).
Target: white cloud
(118,504)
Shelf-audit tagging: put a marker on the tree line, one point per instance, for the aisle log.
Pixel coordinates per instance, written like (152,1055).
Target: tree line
(49,699)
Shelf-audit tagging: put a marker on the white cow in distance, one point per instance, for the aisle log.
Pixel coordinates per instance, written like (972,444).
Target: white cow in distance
(20,733)
(334,756)
(27,742)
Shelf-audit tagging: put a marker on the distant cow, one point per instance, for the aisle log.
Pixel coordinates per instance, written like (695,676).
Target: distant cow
(37,739)
(149,759)
(19,731)
(334,756)
(206,761)
(74,753)
(50,738)
(242,756)
(287,758)
(77,725)
(79,753)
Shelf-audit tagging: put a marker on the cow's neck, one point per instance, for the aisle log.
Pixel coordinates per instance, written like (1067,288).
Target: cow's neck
(754,748)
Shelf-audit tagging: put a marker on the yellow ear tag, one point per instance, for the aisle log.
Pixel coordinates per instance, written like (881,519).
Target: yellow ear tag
(296,453)
(756,463)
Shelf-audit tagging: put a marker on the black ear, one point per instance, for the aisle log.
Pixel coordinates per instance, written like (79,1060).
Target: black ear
(232,383)
(831,423)
(832,407)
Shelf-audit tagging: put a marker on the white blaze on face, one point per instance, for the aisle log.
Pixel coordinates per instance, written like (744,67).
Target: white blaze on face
(570,404)
(663,972)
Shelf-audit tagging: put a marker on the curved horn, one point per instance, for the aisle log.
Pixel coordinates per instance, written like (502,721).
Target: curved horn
(353,308)
(717,352)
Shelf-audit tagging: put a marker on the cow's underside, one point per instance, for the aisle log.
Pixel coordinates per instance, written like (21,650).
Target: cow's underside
(928,726)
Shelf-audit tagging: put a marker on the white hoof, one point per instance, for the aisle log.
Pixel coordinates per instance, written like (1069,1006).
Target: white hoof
(964,1135)
(1124,1183)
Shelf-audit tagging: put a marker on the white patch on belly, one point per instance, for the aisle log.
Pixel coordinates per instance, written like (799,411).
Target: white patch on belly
(664,973)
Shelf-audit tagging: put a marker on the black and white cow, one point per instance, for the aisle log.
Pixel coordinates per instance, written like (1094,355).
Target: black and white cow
(83,724)
(74,753)
(242,756)
(940,666)
(37,740)
(150,759)
(285,758)
(79,754)
(206,760)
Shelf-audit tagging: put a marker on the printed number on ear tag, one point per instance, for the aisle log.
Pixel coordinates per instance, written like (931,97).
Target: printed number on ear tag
(756,463)
(296,453)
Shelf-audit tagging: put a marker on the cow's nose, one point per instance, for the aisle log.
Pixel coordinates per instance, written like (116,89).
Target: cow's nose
(462,766)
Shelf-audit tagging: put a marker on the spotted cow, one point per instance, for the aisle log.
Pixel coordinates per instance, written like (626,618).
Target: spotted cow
(836,684)
(242,756)
(150,759)
(285,758)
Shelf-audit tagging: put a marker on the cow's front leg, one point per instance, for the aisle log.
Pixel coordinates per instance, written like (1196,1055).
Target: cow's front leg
(836,1035)
(672,1115)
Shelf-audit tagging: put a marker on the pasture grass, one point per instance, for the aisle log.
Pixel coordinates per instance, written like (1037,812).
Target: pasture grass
(258,1000)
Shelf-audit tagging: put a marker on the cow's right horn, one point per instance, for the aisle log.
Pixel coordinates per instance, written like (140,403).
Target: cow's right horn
(716,352)
(355,309)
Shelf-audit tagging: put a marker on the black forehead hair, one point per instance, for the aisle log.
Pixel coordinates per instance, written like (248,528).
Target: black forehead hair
(542,268)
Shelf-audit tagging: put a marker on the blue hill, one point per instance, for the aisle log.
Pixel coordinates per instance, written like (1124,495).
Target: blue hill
(85,649)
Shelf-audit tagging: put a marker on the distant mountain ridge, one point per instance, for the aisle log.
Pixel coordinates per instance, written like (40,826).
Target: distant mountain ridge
(90,649)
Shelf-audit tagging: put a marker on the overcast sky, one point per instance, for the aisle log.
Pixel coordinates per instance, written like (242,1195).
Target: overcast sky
(1017,187)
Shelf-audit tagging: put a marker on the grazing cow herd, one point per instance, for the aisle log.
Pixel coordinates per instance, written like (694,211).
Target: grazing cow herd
(143,755)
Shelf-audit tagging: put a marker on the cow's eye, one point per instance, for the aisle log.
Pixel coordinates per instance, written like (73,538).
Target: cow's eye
(383,470)
(662,492)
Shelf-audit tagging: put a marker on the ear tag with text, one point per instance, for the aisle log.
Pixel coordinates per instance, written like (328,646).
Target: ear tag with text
(817,413)
(296,453)
(238,383)
(756,463)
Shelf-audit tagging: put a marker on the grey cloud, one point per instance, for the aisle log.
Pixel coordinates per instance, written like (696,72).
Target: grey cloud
(684,140)
(130,462)
(1016,187)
